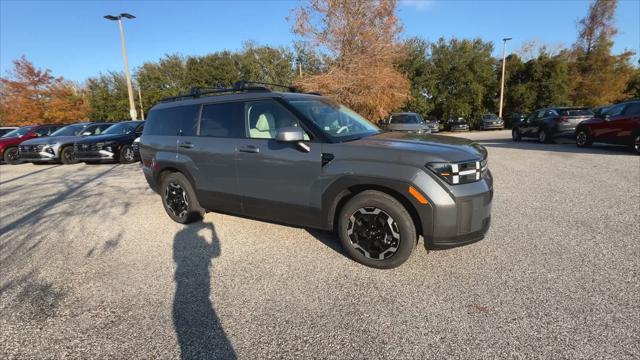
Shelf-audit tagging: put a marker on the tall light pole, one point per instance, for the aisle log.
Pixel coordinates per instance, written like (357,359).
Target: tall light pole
(132,106)
(504,54)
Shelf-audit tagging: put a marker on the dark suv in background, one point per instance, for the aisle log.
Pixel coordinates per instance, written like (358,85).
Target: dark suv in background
(114,145)
(58,147)
(616,124)
(548,124)
(306,160)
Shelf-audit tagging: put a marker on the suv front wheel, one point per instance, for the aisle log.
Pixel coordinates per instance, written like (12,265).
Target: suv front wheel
(179,199)
(376,230)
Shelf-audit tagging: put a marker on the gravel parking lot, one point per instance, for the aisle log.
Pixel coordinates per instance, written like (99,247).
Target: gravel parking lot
(92,267)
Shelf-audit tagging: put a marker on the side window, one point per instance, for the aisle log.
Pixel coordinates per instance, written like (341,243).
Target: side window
(551,113)
(42,131)
(223,120)
(615,110)
(173,121)
(265,117)
(633,109)
(540,114)
(140,128)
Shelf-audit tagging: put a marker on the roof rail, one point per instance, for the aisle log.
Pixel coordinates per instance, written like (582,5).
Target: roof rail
(238,87)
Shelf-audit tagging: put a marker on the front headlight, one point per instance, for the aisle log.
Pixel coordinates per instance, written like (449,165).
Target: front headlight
(460,173)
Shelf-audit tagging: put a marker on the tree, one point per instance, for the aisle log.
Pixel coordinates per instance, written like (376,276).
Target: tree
(597,76)
(462,79)
(29,95)
(108,96)
(359,43)
(414,67)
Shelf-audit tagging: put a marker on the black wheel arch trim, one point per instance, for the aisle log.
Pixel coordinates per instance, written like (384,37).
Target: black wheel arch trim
(342,189)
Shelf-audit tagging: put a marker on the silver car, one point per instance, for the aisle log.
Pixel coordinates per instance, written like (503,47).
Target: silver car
(58,147)
(408,122)
(491,121)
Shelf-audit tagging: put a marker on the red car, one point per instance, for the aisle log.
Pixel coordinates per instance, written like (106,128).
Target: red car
(618,124)
(9,142)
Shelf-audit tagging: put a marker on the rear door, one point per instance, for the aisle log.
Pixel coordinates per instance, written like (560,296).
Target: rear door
(276,178)
(213,154)
(607,129)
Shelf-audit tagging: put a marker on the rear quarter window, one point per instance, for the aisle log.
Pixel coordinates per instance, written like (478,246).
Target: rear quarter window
(173,121)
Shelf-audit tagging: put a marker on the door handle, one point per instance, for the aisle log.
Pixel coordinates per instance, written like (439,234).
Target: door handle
(186,145)
(249,149)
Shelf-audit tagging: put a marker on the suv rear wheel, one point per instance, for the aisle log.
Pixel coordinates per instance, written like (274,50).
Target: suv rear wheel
(543,136)
(636,143)
(179,199)
(376,230)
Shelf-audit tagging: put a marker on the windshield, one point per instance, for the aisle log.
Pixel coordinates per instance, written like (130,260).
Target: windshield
(337,121)
(69,130)
(405,119)
(489,117)
(121,128)
(457,121)
(18,132)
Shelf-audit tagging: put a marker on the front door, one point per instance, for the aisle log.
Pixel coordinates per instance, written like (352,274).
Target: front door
(276,178)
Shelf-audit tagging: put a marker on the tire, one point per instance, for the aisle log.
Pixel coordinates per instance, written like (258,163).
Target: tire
(176,188)
(543,136)
(127,155)
(636,142)
(515,134)
(67,156)
(378,213)
(583,138)
(11,156)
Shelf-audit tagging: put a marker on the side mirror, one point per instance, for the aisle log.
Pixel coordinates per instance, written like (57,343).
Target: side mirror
(290,134)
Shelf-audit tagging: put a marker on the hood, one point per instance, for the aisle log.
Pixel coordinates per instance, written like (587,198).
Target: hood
(433,148)
(408,127)
(104,138)
(490,120)
(52,140)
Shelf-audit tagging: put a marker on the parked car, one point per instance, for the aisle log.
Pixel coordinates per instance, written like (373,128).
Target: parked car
(491,121)
(6,129)
(306,160)
(114,145)
(58,147)
(457,124)
(549,124)
(10,141)
(434,125)
(618,124)
(408,122)
(136,148)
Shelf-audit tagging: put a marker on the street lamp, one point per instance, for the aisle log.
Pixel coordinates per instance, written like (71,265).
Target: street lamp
(132,106)
(504,53)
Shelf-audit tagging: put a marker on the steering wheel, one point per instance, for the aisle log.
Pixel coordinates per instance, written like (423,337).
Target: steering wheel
(343,128)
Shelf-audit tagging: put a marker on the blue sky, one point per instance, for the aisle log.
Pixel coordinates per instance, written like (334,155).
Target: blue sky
(73,40)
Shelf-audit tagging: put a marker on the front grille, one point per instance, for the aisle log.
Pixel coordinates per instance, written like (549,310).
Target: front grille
(84,147)
(25,149)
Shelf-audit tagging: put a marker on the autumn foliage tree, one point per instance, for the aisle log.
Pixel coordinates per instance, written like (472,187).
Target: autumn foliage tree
(359,42)
(29,95)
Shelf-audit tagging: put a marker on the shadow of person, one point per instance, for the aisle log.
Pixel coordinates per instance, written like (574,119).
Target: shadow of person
(200,334)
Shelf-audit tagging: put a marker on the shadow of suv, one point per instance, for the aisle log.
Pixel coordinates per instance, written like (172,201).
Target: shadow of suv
(306,160)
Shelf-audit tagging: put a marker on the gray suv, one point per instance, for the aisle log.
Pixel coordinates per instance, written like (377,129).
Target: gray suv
(306,160)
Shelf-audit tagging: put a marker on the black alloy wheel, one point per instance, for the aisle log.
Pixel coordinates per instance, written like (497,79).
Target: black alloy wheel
(515,134)
(176,199)
(127,155)
(374,233)
(636,144)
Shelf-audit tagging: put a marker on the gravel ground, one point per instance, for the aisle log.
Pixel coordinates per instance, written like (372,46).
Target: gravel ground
(92,267)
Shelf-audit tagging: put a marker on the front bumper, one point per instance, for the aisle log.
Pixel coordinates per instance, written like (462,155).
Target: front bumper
(458,214)
(38,153)
(493,126)
(95,156)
